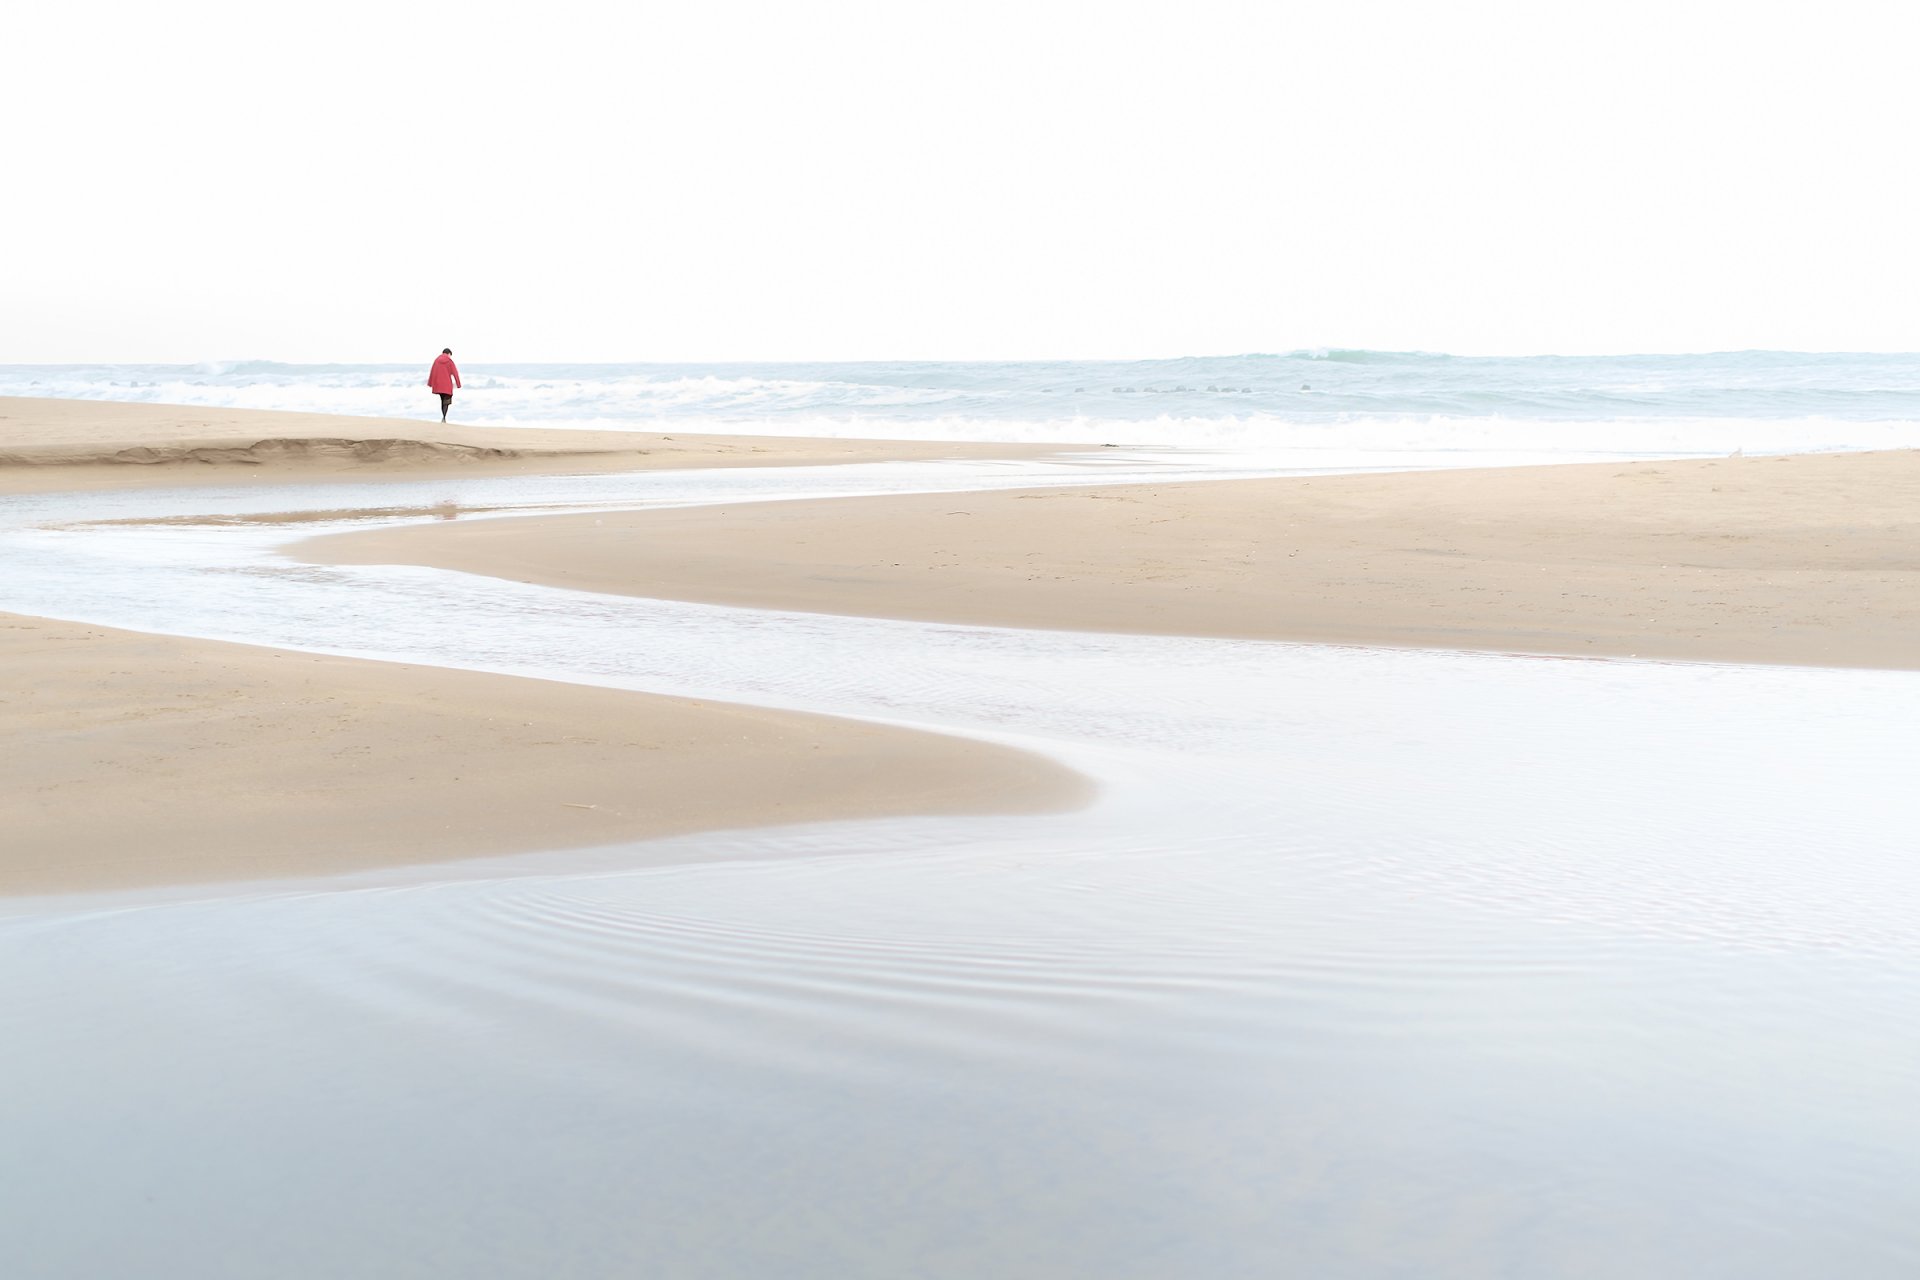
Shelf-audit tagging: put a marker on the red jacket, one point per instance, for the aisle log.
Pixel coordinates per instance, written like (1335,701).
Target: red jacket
(445,377)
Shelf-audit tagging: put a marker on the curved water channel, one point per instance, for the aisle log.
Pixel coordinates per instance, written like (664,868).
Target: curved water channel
(1362,963)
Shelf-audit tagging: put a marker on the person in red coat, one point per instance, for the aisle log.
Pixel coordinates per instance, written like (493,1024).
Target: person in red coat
(443,379)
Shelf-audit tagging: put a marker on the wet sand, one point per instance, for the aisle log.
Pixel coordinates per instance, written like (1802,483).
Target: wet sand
(135,759)
(53,445)
(1806,560)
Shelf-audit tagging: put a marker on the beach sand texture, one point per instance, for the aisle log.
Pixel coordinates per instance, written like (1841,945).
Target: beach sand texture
(50,445)
(1808,560)
(136,759)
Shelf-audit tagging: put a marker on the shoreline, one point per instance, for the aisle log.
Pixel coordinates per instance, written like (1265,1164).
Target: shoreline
(137,760)
(49,445)
(206,754)
(1810,559)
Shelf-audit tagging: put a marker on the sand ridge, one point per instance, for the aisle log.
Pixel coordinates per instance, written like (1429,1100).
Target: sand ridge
(1809,559)
(51,445)
(134,760)
(296,449)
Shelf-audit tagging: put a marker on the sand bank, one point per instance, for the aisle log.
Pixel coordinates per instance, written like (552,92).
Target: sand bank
(134,760)
(48,445)
(1806,560)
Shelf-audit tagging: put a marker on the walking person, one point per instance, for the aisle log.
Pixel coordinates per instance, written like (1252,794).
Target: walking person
(443,379)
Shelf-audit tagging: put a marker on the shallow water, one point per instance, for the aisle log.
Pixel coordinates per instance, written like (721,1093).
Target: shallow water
(1363,963)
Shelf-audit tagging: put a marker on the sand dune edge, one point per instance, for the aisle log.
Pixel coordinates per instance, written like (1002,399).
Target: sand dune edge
(50,445)
(137,760)
(1805,560)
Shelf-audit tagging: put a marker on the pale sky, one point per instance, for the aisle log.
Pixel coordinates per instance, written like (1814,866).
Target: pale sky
(556,181)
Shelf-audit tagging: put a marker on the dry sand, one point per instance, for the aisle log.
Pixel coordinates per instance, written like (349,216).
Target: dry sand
(48,445)
(1803,560)
(130,760)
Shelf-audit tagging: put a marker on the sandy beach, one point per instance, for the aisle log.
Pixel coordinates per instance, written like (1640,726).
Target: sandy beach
(1808,560)
(136,759)
(1039,642)
(1338,910)
(139,759)
(51,445)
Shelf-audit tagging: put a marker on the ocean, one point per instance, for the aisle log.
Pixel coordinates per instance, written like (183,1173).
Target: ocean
(1756,400)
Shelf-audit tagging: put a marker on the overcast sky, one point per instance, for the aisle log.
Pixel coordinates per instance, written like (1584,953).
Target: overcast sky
(191,181)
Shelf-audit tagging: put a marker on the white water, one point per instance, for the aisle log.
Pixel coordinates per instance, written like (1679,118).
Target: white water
(1289,405)
(1363,963)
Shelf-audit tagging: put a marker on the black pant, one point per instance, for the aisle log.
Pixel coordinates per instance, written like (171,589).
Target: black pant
(446,403)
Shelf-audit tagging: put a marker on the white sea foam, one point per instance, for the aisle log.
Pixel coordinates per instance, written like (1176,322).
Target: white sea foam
(1308,407)
(737,403)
